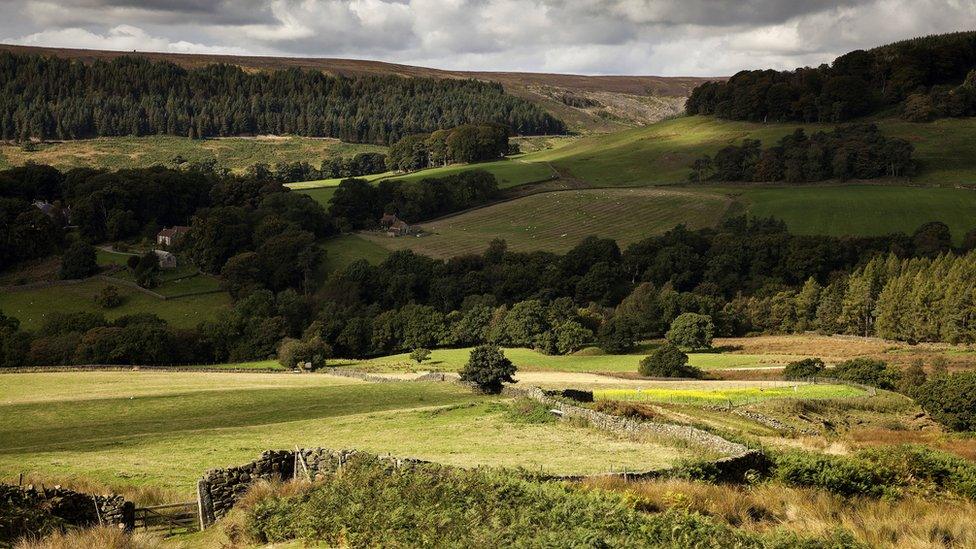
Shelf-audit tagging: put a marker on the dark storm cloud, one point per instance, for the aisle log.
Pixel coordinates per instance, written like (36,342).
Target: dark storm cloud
(702,37)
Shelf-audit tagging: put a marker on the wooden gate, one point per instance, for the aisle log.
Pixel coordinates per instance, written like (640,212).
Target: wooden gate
(173,518)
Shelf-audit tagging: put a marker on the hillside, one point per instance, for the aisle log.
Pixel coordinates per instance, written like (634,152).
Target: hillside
(610,102)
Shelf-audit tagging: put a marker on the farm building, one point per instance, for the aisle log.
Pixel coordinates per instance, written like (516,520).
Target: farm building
(54,211)
(167,260)
(171,235)
(394,226)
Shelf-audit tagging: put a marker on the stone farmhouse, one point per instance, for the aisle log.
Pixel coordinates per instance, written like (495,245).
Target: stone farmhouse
(170,236)
(394,226)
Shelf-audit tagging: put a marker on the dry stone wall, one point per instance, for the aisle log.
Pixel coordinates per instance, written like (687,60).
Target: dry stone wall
(73,508)
(220,489)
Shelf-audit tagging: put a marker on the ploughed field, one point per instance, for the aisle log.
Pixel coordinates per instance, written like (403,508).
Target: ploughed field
(164,429)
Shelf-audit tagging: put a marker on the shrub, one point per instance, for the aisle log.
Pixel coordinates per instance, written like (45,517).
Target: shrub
(802,369)
(372,504)
(838,474)
(623,409)
(487,368)
(912,378)
(419,355)
(526,410)
(691,331)
(866,371)
(950,400)
(108,297)
(78,261)
(308,354)
(887,471)
(667,361)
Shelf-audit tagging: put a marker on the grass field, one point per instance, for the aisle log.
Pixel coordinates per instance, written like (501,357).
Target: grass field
(557,221)
(734,396)
(530,360)
(32,307)
(662,153)
(343,250)
(510,172)
(864,210)
(166,429)
(234,153)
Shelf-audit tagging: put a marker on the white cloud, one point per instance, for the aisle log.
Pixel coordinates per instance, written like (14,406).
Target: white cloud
(120,37)
(668,37)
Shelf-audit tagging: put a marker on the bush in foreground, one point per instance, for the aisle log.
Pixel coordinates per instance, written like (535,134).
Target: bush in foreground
(488,368)
(373,505)
(667,361)
(889,471)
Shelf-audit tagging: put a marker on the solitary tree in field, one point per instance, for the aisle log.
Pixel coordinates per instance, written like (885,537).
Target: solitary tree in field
(419,355)
(488,368)
(691,331)
(667,361)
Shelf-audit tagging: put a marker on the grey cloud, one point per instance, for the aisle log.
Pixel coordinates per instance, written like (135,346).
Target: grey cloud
(694,37)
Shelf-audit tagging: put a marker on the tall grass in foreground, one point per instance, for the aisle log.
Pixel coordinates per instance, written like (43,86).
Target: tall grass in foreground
(916,521)
(102,538)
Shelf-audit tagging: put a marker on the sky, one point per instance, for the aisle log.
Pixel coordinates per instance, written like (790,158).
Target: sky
(646,37)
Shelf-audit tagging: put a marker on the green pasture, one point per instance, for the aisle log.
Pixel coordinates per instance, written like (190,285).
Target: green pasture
(584,361)
(735,396)
(32,307)
(166,429)
(233,153)
(342,250)
(863,210)
(557,221)
(662,153)
(510,172)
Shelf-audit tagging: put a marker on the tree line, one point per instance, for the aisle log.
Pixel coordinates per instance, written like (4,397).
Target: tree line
(935,72)
(857,151)
(463,144)
(746,276)
(45,97)
(357,204)
(361,164)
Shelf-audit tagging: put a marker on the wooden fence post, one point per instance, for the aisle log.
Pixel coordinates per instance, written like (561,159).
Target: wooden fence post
(204,504)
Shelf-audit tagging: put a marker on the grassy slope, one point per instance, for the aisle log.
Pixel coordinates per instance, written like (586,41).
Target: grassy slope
(235,153)
(343,250)
(862,209)
(166,429)
(557,221)
(33,306)
(662,153)
(530,360)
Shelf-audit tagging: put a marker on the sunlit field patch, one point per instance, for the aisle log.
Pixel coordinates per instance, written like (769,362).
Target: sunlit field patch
(734,396)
